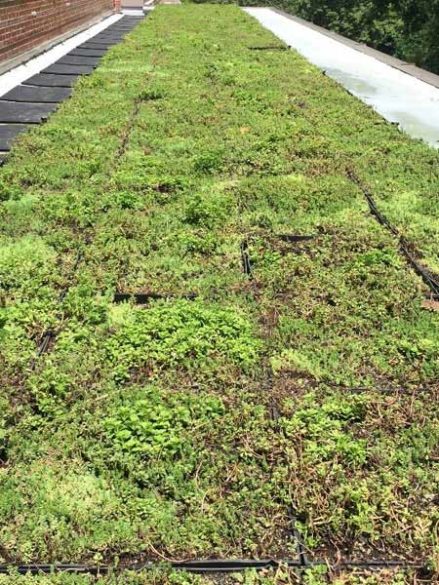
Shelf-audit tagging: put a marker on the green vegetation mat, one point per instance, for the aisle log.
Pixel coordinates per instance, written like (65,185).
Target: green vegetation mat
(271,577)
(198,427)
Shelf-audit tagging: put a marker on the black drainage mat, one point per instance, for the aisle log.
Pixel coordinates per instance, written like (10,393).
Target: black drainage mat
(76,60)
(124,29)
(88,46)
(8,132)
(117,31)
(101,45)
(24,113)
(115,34)
(57,69)
(48,80)
(110,33)
(24,93)
(107,39)
(102,41)
(87,53)
(126,22)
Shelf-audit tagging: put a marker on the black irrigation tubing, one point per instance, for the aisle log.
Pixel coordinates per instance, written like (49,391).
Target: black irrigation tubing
(144,298)
(427,386)
(300,546)
(364,389)
(49,334)
(211,566)
(126,136)
(406,248)
(245,259)
(292,514)
(269,48)
(387,390)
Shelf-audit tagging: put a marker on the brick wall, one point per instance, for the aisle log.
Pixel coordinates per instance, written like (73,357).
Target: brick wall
(25,24)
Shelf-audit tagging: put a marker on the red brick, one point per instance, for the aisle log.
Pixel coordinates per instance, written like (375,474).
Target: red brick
(20,31)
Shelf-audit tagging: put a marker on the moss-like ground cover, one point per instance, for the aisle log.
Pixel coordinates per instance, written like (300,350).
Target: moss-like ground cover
(199,424)
(281,576)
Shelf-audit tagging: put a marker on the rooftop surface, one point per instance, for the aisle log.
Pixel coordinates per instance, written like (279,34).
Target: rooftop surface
(219,320)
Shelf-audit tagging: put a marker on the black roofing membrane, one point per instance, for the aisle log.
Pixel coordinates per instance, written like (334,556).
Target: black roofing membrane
(100,45)
(112,34)
(107,39)
(25,112)
(79,52)
(8,132)
(60,69)
(24,93)
(78,60)
(49,80)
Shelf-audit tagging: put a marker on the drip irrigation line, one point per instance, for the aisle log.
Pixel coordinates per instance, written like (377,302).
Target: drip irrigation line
(300,546)
(49,334)
(404,245)
(427,387)
(128,129)
(211,566)
(362,389)
(144,298)
(245,259)
(230,565)
(270,48)
(295,534)
(45,341)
